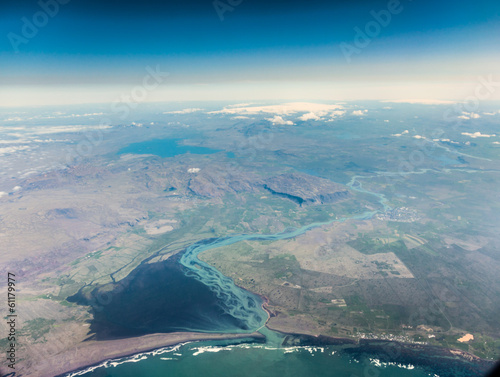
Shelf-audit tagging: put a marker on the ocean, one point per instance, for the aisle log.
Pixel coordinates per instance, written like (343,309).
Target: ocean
(213,359)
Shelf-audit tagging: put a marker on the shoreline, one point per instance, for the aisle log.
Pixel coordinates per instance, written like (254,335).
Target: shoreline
(406,353)
(439,359)
(93,353)
(446,355)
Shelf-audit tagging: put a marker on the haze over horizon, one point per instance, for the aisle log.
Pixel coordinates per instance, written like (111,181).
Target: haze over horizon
(94,51)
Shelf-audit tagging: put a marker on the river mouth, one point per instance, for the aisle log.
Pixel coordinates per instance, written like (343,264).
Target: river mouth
(182,293)
(159,297)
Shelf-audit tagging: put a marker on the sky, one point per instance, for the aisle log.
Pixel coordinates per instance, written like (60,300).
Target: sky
(84,51)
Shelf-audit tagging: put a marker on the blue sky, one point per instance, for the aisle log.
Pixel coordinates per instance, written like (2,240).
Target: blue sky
(92,50)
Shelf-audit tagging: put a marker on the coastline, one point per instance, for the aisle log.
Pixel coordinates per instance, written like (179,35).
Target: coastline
(391,350)
(92,353)
(440,359)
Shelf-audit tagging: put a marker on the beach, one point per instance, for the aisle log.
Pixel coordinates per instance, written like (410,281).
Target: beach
(92,352)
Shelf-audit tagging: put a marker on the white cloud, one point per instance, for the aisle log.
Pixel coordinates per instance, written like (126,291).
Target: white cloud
(16,188)
(446,141)
(239,105)
(421,101)
(335,114)
(477,134)
(19,141)
(309,116)
(402,133)
(193,170)
(8,150)
(240,117)
(57,115)
(184,111)
(283,109)
(466,115)
(279,120)
(17,128)
(496,142)
(419,137)
(43,130)
(359,112)
(3,193)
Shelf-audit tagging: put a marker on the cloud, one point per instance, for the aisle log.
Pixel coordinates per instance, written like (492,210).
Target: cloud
(193,170)
(446,141)
(477,134)
(422,101)
(43,130)
(496,142)
(402,133)
(184,111)
(335,114)
(359,112)
(56,115)
(310,116)
(466,115)
(8,150)
(3,193)
(279,120)
(239,105)
(419,137)
(19,141)
(283,109)
(240,117)
(493,113)
(31,141)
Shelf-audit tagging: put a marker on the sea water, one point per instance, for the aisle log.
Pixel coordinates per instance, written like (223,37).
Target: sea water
(209,359)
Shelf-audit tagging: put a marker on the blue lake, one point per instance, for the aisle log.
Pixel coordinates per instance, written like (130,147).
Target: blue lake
(165,148)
